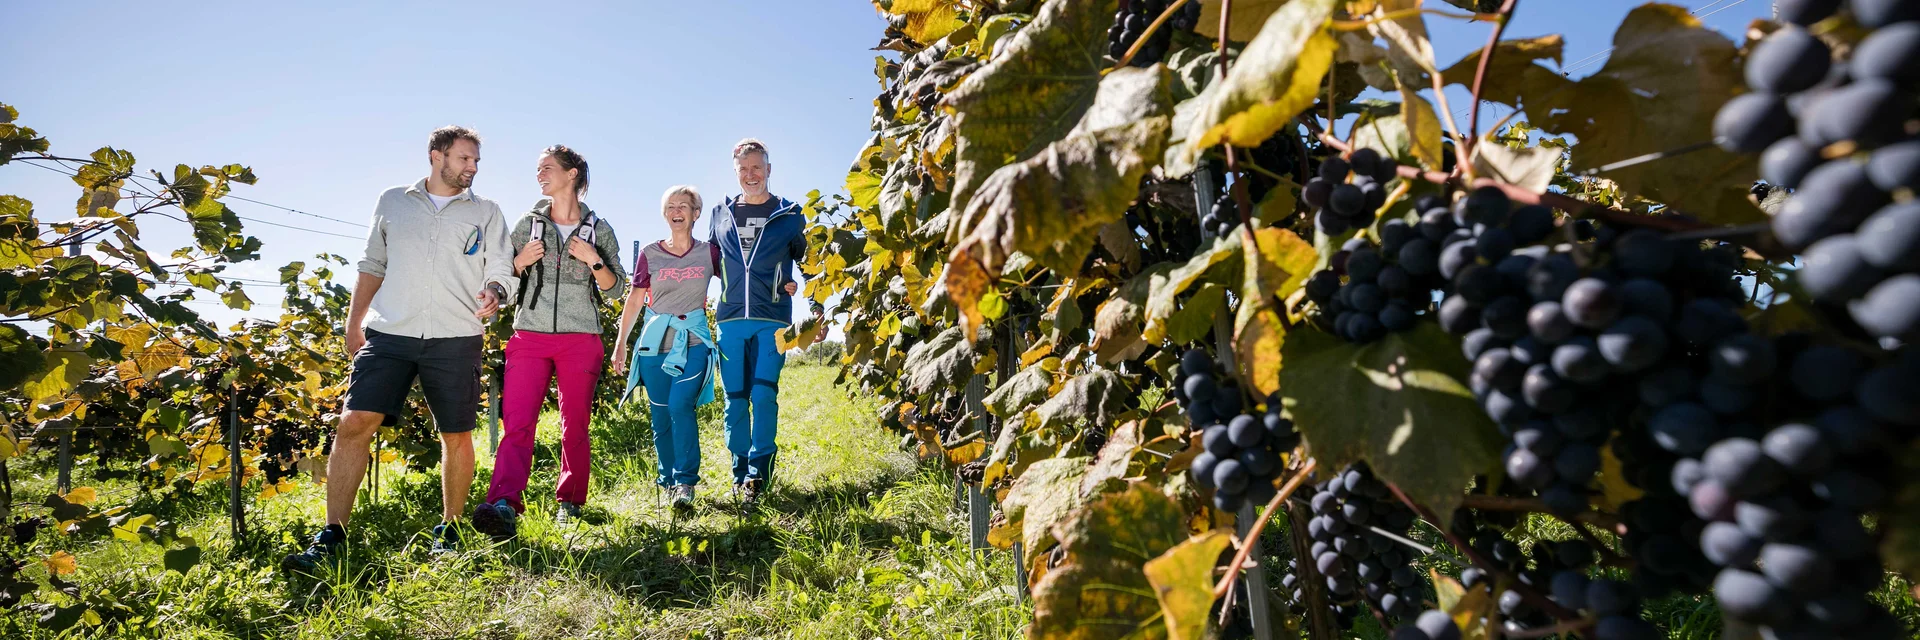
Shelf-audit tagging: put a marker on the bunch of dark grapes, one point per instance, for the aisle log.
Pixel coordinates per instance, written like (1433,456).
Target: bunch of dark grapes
(1840,133)
(1132,20)
(1243,449)
(1554,342)
(1223,218)
(1379,294)
(1350,509)
(1779,510)
(1341,205)
(1276,156)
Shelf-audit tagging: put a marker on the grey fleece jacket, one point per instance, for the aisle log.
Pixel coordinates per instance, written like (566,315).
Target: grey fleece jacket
(558,294)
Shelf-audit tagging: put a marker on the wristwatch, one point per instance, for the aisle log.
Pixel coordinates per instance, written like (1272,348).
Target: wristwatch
(599,265)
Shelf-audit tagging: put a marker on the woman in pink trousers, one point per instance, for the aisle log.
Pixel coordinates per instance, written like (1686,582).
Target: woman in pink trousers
(566,258)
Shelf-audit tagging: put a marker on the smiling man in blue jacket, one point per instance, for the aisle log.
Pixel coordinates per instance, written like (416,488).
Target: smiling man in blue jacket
(759,236)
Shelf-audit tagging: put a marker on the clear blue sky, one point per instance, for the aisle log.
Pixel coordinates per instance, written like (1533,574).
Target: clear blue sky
(330,104)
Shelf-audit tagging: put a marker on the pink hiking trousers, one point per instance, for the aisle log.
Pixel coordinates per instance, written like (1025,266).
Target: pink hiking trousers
(533,360)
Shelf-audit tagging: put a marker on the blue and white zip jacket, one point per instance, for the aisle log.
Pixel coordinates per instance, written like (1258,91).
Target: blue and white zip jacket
(751,284)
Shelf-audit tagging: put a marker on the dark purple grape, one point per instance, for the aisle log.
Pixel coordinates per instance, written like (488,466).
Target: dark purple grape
(1739,465)
(1890,238)
(1750,122)
(1579,360)
(1835,269)
(1458,316)
(1892,53)
(1874,14)
(1633,343)
(1530,224)
(1796,568)
(1684,428)
(1888,393)
(1591,302)
(1800,448)
(1726,545)
(1771,518)
(1834,198)
(1895,165)
(1806,12)
(1548,322)
(1230,476)
(1334,169)
(1748,596)
(1788,61)
(1246,432)
(1891,309)
(1743,359)
(1869,112)
(1316,192)
(1202,468)
(1786,163)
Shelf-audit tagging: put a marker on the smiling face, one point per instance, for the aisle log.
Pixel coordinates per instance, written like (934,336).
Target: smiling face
(680,213)
(753,169)
(554,180)
(458,164)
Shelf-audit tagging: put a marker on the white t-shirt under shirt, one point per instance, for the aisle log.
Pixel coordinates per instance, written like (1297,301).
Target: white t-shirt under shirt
(440,202)
(566,230)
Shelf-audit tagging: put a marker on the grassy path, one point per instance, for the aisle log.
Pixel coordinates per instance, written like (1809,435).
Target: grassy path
(856,542)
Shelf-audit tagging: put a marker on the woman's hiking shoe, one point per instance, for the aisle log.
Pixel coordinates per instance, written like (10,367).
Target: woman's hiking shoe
(749,493)
(446,538)
(567,513)
(498,520)
(683,497)
(325,549)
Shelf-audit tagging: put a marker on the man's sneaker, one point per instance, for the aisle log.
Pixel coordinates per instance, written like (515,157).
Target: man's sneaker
(750,493)
(446,538)
(498,520)
(566,514)
(325,549)
(683,496)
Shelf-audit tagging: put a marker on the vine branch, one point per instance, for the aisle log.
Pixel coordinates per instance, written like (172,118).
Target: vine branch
(1532,597)
(1504,16)
(1253,532)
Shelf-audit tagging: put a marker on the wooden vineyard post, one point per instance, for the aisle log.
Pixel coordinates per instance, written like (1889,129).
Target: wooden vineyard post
(979,511)
(64,481)
(1253,581)
(236,513)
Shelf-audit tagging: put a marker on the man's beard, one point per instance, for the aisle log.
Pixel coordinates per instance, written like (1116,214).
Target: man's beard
(456,179)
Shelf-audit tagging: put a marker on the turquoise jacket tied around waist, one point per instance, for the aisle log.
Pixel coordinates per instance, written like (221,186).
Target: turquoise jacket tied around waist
(653,328)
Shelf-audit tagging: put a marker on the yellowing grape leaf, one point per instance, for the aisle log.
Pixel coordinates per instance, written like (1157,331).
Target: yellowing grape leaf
(1248,16)
(1050,205)
(1114,456)
(1275,78)
(1470,610)
(1400,404)
(1043,495)
(81,495)
(65,368)
(1100,591)
(1182,579)
(61,563)
(1661,87)
(927,20)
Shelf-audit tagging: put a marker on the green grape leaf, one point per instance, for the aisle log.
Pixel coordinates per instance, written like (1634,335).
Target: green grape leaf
(1195,317)
(1044,494)
(1275,78)
(946,359)
(1101,591)
(1049,206)
(1423,129)
(1117,322)
(1661,87)
(181,560)
(864,188)
(1182,579)
(20,355)
(1031,93)
(1512,75)
(1097,395)
(1400,404)
(1220,264)
(65,368)
(1024,389)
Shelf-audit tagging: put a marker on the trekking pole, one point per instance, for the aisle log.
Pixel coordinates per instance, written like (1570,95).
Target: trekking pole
(493,413)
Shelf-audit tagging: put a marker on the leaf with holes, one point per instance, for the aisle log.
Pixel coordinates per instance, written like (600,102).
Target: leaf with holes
(1399,404)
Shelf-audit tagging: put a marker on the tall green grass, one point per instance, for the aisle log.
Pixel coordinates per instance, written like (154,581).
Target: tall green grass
(854,541)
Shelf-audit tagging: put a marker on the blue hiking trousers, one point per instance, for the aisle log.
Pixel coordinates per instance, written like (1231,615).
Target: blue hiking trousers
(674,399)
(750,364)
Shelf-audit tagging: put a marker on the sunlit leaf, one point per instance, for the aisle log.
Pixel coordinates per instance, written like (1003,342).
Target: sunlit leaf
(1274,79)
(1100,591)
(61,563)
(1182,579)
(1401,404)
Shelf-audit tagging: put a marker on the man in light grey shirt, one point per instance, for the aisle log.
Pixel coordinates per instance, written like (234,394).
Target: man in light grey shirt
(437,266)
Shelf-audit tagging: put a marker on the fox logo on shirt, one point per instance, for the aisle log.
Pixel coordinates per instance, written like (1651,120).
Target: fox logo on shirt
(683,274)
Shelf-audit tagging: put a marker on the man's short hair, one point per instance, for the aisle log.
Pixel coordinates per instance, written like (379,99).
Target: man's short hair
(443,138)
(751,145)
